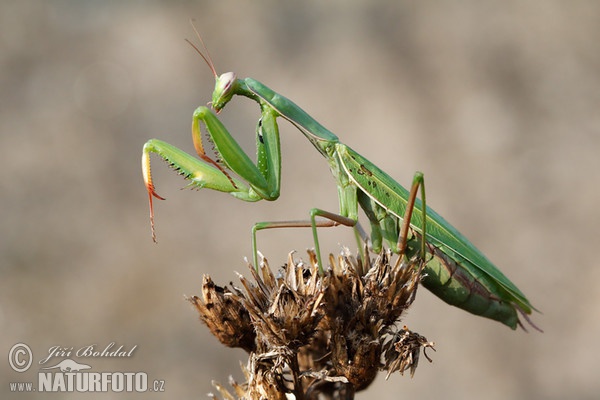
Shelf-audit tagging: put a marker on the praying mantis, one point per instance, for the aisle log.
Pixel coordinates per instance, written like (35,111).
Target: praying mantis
(454,269)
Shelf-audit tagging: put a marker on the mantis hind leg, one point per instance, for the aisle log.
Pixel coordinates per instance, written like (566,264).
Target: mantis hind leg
(329,220)
(418,182)
(392,230)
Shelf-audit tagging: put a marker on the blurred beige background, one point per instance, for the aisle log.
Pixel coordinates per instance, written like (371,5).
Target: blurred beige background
(496,102)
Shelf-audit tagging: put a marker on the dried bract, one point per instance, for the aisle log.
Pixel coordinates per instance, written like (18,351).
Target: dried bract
(401,352)
(225,315)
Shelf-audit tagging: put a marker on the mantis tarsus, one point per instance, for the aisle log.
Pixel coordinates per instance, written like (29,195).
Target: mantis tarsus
(455,270)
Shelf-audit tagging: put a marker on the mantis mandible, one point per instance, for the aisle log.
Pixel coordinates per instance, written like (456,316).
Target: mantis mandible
(455,270)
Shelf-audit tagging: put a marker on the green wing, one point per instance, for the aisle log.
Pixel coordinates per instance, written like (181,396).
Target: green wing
(393,197)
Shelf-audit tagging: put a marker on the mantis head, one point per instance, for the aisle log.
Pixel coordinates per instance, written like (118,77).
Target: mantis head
(225,88)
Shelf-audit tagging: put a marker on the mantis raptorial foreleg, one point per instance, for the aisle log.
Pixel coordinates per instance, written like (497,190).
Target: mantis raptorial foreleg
(260,181)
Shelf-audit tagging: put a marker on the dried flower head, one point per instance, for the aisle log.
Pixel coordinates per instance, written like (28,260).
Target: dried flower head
(316,336)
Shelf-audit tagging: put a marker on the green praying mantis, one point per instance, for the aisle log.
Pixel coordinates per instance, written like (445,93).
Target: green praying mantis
(455,270)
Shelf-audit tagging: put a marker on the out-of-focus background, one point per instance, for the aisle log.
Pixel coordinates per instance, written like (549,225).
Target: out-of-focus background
(496,102)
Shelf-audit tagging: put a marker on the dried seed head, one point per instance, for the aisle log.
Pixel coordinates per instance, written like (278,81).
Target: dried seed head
(310,335)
